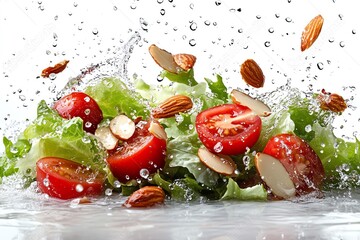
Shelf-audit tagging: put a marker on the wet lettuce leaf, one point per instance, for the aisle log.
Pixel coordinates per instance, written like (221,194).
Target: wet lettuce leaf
(115,97)
(234,192)
(52,136)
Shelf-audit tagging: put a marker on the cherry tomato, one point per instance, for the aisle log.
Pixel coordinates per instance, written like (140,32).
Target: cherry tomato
(299,159)
(143,152)
(228,128)
(64,179)
(79,104)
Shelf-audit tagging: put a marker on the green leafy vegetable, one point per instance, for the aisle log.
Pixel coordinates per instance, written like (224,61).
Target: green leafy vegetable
(234,192)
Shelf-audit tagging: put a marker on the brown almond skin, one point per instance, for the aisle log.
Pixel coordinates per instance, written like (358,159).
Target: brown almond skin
(172,106)
(59,67)
(185,61)
(332,102)
(147,196)
(252,73)
(311,32)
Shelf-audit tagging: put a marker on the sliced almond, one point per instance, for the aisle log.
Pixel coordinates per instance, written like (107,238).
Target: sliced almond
(252,73)
(172,106)
(122,127)
(164,59)
(106,137)
(260,108)
(311,32)
(218,163)
(147,196)
(185,61)
(157,130)
(274,174)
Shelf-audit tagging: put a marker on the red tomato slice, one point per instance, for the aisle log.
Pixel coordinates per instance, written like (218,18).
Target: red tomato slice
(228,129)
(64,179)
(79,104)
(299,159)
(142,151)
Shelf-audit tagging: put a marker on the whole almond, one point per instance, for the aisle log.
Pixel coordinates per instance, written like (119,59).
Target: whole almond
(145,197)
(185,61)
(333,102)
(311,32)
(172,106)
(252,73)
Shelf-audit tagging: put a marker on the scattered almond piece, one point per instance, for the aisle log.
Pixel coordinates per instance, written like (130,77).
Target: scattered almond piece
(219,163)
(59,67)
(275,176)
(332,102)
(185,61)
(260,108)
(311,32)
(147,196)
(157,130)
(164,59)
(106,137)
(122,127)
(172,106)
(252,73)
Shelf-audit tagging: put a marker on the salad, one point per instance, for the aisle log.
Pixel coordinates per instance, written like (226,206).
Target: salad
(189,140)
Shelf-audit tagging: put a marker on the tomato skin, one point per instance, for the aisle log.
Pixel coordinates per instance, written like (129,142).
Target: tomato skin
(59,178)
(79,104)
(299,159)
(142,151)
(232,144)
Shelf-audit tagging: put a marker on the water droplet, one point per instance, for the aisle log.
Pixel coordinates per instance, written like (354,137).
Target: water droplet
(108,192)
(22,97)
(320,65)
(144,173)
(246,160)
(144,25)
(342,44)
(52,76)
(88,125)
(193,26)
(271,30)
(308,128)
(95,31)
(56,17)
(115,8)
(267,44)
(162,12)
(341,16)
(331,40)
(353,31)
(258,16)
(288,19)
(191,6)
(87,111)
(117,184)
(277,15)
(218,3)
(192,42)
(79,188)
(218,147)
(133,6)
(207,23)
(160,1)
(159,78)
(46,182)
(240,30)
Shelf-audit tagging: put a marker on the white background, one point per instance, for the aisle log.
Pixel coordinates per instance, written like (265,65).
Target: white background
(38,34)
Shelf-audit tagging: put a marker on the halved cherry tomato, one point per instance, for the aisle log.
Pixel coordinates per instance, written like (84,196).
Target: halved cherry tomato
(228,128)
(79,104)
(64,179)
(142,152)
(299,159)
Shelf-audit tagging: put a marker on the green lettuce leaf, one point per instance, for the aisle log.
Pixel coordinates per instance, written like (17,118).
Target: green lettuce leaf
(52,136)
(234,192)
(218,88)
(114,97)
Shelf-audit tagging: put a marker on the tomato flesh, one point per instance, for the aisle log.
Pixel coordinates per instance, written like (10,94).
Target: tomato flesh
(299,159)
(143,151)
(79,104)
(228,129)
(64,179)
